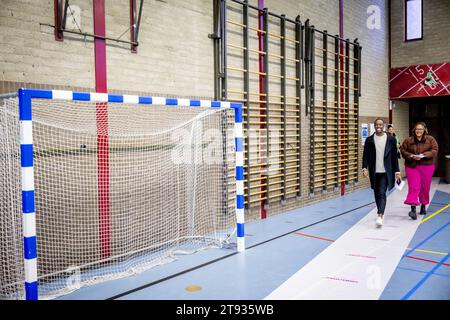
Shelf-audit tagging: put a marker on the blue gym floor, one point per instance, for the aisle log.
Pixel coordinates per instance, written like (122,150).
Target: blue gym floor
(279,246)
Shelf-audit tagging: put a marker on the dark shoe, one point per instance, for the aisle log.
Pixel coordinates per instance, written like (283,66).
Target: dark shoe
(412,213)
(423,211)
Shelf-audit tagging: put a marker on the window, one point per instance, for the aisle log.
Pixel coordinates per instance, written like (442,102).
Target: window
(413,20)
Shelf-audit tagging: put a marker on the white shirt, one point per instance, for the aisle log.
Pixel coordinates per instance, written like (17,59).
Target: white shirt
(380,145)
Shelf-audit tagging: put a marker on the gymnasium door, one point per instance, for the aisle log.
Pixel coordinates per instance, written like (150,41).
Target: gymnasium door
(435,112)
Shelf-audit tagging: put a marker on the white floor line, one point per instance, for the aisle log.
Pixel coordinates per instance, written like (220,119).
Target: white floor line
(359,264)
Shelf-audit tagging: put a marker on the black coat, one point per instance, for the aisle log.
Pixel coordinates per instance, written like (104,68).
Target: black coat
(390,159)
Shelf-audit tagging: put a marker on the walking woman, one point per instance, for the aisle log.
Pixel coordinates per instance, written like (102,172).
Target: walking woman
(419,151)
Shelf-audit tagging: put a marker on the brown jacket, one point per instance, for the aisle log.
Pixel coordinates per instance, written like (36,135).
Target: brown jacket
(427,146)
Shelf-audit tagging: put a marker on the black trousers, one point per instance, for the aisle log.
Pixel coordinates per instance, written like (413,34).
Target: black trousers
(380,191)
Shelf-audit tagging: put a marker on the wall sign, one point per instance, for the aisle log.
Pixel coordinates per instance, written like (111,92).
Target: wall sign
(420,81)
(364,132)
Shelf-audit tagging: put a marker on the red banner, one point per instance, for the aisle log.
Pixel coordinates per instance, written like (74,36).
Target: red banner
(426,80)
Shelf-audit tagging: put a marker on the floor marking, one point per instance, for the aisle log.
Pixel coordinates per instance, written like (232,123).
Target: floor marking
(341,279)
(377,239)
(426,239)
(150,284)
(311,236)
(415,270)
(193,288)
(361,256)
(427,260)
(429,251)
(421,282)
(330,240)
(388,246)
(435,213)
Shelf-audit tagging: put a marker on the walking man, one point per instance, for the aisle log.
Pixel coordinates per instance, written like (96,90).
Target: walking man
(380,164)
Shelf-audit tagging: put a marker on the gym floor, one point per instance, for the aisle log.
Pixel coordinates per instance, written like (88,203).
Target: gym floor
(329,250)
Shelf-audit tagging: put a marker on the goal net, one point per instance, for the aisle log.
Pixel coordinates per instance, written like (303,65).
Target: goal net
(116,193)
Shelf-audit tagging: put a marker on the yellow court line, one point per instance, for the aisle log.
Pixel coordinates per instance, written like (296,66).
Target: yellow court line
(429,251)
(434,214)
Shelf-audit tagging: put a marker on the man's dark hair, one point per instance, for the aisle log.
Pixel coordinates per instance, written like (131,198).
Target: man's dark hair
(377,120)
(390,126)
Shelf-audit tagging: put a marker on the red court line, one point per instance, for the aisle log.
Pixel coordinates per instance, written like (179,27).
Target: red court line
(410,257)
(428,260)
(311,236)
(341,279)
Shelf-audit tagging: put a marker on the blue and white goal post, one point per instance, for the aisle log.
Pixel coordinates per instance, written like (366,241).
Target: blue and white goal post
(26,98)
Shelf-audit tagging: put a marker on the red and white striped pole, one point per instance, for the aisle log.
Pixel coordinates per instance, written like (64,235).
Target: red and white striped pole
(102,129)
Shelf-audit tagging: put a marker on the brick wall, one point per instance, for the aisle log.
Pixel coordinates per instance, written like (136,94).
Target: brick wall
(435,46)
(323,14)
(175,55)
(173,60)
(29,52)
(374,81)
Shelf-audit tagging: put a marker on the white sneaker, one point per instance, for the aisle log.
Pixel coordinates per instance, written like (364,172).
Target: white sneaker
(379,221)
